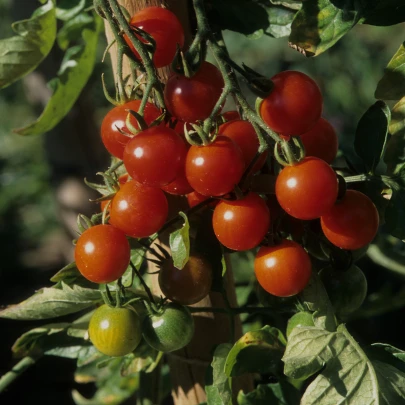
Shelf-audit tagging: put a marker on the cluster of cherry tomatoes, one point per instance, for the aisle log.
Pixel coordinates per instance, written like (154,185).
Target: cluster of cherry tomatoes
(158,160)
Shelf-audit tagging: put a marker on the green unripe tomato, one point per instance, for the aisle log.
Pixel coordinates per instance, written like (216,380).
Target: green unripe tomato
(299,319)
(170,330)
(115,331)
(346,289)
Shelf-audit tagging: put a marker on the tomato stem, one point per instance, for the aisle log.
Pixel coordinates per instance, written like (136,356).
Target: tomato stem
(145,286)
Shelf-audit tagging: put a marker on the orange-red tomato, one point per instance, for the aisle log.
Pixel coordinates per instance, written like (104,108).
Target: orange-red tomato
(102,253)
(307,189)
(352,222)
(284,269)
(241,224)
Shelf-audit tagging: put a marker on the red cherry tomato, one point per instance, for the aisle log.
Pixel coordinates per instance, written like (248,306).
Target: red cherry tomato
(192,99)
(241,224)
(179,186)
(154,157)
(138,210)
(244,135)
(102,253)
(321,141)
(112,138)
(307,189)
(284,269)
(195,198)
(231,115)
(294,105)
(164,27)
(121,180)
(352,222)
(215,169)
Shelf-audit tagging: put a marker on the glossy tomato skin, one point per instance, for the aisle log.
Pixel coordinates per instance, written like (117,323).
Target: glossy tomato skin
(192,99)
(164,27)
(215,169)
(352,222)
(307,189)
(284,269)
(121,180)
(138,210)
(102,253)
(115,331)
(155,156)
(294,105)
(169,331)
(188,285)
(244,135)
(241,224)
(112,138)
(321,141)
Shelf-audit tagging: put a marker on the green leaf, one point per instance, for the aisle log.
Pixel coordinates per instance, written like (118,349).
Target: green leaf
(321,23)
(395,152)
(53,302)
(67,9)
(266,394)
(279,21)
(395,214)
(291,4)
(219,386)
(257,351)
(69,275)
(392,84)
(349,376)
(316,299)
(72,30)
(20,55)
(74,73)
(180,243)
(371,134)
(386,12)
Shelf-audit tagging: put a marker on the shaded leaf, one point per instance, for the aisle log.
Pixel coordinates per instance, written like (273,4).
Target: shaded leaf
(321,23)
(395,214)
(386,12)
(143,358)
(74,73)
(279,20)
(67,9)
(53,302)
(371,134)
(392,84)
(180,243)
(69,275)
(19,55)
(291,4)
(257,351)
(395,152)
(72,30)
(265,394)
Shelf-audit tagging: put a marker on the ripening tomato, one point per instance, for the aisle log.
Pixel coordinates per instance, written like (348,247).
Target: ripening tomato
(352,222)
(294,105)
(307,189)
(188,285)
(115,331)
(102,253)
(321,141)
(299,319)
(241,224)
(231,115)
(215,169)
(191,99)
(155,156)
(112,138)
(138,210)
(244,135)
(284,269)
(164,27)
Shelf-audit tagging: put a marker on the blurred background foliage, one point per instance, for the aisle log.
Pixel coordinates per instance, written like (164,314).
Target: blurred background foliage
(29,222)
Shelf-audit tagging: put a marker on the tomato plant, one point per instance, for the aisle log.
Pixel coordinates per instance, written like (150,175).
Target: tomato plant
(299,319)
(307,189)
(241,224)
(139,211)
(114,133)
(155,156)
(352,222)
(192,98)
(102,253)
(170,330)
(215,169)
(284,269)
(165,29)
(115,331)
(190,284)
(294,105)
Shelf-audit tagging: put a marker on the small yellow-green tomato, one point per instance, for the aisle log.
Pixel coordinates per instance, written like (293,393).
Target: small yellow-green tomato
(299,319)
(115,331)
